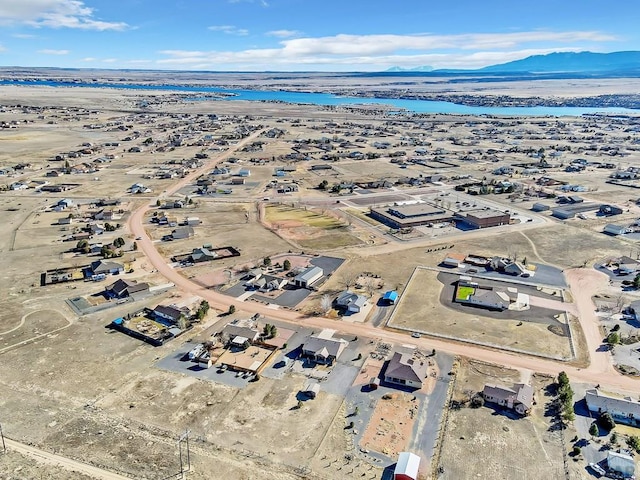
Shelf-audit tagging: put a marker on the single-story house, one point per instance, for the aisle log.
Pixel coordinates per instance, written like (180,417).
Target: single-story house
(405,369)
(170,313)
(407,467)
(351,302)
(515,268)
(202,254)
(183,232)
(269,283)
(519,398)
(487,299)
(106,266)
(612,229)
(627,265)
(241,330)
(125,288)
(323,348)
(308,277)
(623,410)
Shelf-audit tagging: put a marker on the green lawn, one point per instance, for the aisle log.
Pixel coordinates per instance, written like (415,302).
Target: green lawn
(464,292)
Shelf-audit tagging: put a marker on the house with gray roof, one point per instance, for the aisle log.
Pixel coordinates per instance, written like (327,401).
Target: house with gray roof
(239,332)
(106,266)
(202,254)
(182,232)
(351,302)
(322,349)
(406,369)
(622,409)
(519,398)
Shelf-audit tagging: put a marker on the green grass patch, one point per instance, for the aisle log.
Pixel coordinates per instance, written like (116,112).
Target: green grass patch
(464,292)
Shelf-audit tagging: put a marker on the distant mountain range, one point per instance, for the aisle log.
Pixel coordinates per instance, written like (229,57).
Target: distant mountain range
(580,63)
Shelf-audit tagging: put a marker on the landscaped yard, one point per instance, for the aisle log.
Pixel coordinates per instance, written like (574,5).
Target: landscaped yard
(464,292)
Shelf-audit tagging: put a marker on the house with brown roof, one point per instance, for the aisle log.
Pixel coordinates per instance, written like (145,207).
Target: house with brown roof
(519,398)
(406,369)
(125,288)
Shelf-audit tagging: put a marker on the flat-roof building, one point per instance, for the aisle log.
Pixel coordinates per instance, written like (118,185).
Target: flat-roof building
(487,218)
(403,216)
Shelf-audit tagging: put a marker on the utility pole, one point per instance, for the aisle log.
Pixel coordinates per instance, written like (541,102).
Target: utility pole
(184,438)
(4,447)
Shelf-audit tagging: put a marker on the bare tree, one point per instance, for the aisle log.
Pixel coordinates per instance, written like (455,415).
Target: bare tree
(325,303)
(371,286)
(349,279)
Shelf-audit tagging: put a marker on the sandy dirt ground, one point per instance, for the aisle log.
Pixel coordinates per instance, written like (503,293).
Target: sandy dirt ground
(94,395)
(391,424)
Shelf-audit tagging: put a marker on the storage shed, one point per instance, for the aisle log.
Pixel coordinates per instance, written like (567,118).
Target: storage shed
(407,467)
(390,297)
(622,463)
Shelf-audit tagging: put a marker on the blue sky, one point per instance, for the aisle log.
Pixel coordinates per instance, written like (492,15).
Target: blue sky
(290,35)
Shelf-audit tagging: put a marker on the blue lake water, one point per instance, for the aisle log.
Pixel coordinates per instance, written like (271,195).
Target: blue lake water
(416,106)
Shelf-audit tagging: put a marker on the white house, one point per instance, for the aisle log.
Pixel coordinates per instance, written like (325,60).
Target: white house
(623,410)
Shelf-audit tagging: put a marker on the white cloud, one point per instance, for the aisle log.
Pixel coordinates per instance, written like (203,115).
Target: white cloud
(230,30)
(2,49)
(284,33)
(263,3)
(24,36)
(88,59)
(382,51)
(54,14)
(48,51)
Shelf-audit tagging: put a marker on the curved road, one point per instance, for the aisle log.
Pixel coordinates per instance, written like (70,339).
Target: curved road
(584,284)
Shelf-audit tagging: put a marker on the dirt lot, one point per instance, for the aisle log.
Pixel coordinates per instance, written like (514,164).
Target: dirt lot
(391,424)
(310,229)
(501,445)
(421,309)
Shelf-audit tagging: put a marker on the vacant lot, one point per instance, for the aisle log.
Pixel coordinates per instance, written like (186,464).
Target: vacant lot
(391,424)
(500,444)
(420,309)
(310,229)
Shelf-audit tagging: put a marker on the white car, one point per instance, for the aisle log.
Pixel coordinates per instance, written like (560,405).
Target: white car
(416,335)
(597,468)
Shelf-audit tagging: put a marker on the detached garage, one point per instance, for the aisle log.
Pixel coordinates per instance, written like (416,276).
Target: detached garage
(407,467)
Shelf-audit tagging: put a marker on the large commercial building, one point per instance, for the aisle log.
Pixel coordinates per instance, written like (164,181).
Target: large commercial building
(420,214)
(487,218)
(404,216)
